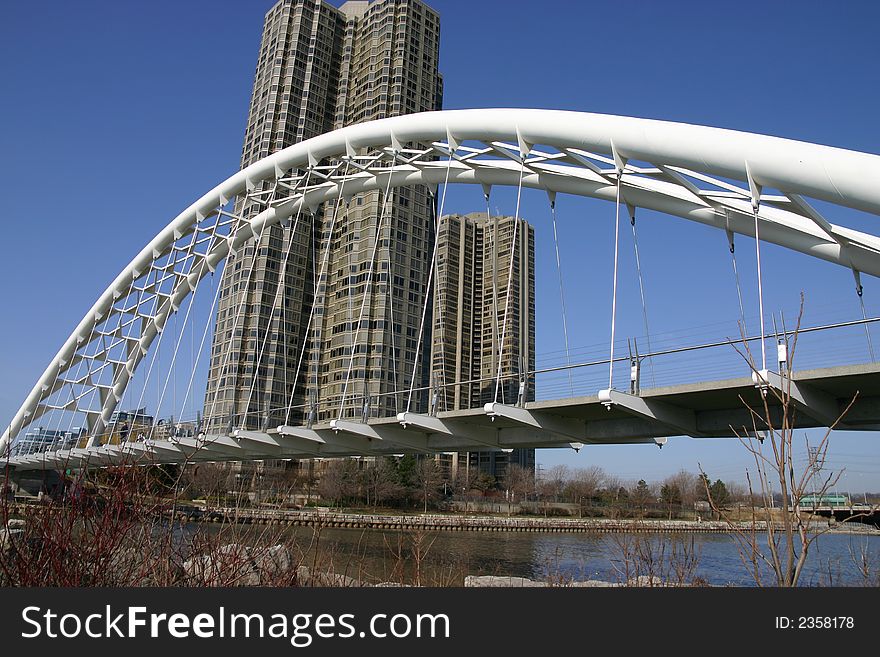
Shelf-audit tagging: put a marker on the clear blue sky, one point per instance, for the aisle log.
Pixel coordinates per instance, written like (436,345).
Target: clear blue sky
(116,115)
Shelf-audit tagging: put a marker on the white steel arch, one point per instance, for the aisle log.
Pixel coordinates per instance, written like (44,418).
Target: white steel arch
(679,169)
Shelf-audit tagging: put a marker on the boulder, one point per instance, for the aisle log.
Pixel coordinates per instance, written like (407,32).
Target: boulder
(240,565)
(305,577)
(8,538)
(492,581)
(134,567)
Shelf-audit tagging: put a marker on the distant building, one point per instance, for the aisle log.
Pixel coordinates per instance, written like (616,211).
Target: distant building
(126,426)
(471,313)
(320,68)
(132,417)
(41,439)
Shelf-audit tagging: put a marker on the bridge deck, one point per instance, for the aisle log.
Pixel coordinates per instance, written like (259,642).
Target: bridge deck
(702,410)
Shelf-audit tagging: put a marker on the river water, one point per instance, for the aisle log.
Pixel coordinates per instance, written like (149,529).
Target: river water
(444,558)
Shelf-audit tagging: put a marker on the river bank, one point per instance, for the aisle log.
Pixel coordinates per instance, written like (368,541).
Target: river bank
(485,523)
(386,553)
(331,519)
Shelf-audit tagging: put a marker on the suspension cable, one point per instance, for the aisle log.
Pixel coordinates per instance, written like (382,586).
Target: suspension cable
(632,222)
(496,336)
(155,355)
(79,369)
(439,291)
(179,335)
(739,296)
(157,283)
(259,359)
(314,355)
(614,284)
(561,292)
(239,312)
(390,304)
(760,289)
(318,279)
(216,296)
(428,296)
(509,293)
(278,297)
(192,344)
(78,372)
(192,298)
(97,371)
(159,360)
(51,420)
(860,291)
(352,270)
(368,290)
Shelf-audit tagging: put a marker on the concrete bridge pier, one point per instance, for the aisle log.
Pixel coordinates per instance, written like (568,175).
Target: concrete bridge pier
(33,482)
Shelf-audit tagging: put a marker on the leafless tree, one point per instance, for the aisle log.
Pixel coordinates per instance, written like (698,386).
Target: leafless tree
(552,485)
(466,479)
(339,481)
(670,496)
(379,482)
(554,480)
(611,490)
(584,484)
(688,486)
(429,478)
(284,481)
(641,495)
(770,440)
(518,482)
(648,559)
(209,479)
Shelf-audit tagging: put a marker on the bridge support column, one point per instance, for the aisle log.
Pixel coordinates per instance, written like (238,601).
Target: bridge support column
(485,439)
(681,420)
(389,434)
(818,405)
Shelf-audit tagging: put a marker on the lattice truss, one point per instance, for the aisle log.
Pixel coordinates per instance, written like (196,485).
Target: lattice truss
(90,376)
(94,380)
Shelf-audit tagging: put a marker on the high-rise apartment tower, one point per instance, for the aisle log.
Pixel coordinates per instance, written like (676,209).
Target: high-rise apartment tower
(484,322)
(274,358)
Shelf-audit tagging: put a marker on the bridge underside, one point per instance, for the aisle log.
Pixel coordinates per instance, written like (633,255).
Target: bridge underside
(702,410)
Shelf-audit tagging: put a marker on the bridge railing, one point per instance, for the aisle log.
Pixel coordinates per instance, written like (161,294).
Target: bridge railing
(828,345)
(667,364)
(582,373)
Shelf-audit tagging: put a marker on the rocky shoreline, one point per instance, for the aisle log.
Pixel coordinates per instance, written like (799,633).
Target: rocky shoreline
(427,522)
(236,564)
(440,522)
(325,518)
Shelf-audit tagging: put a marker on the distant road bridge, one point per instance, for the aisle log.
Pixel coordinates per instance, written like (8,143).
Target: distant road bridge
(864,514)
(740,183)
